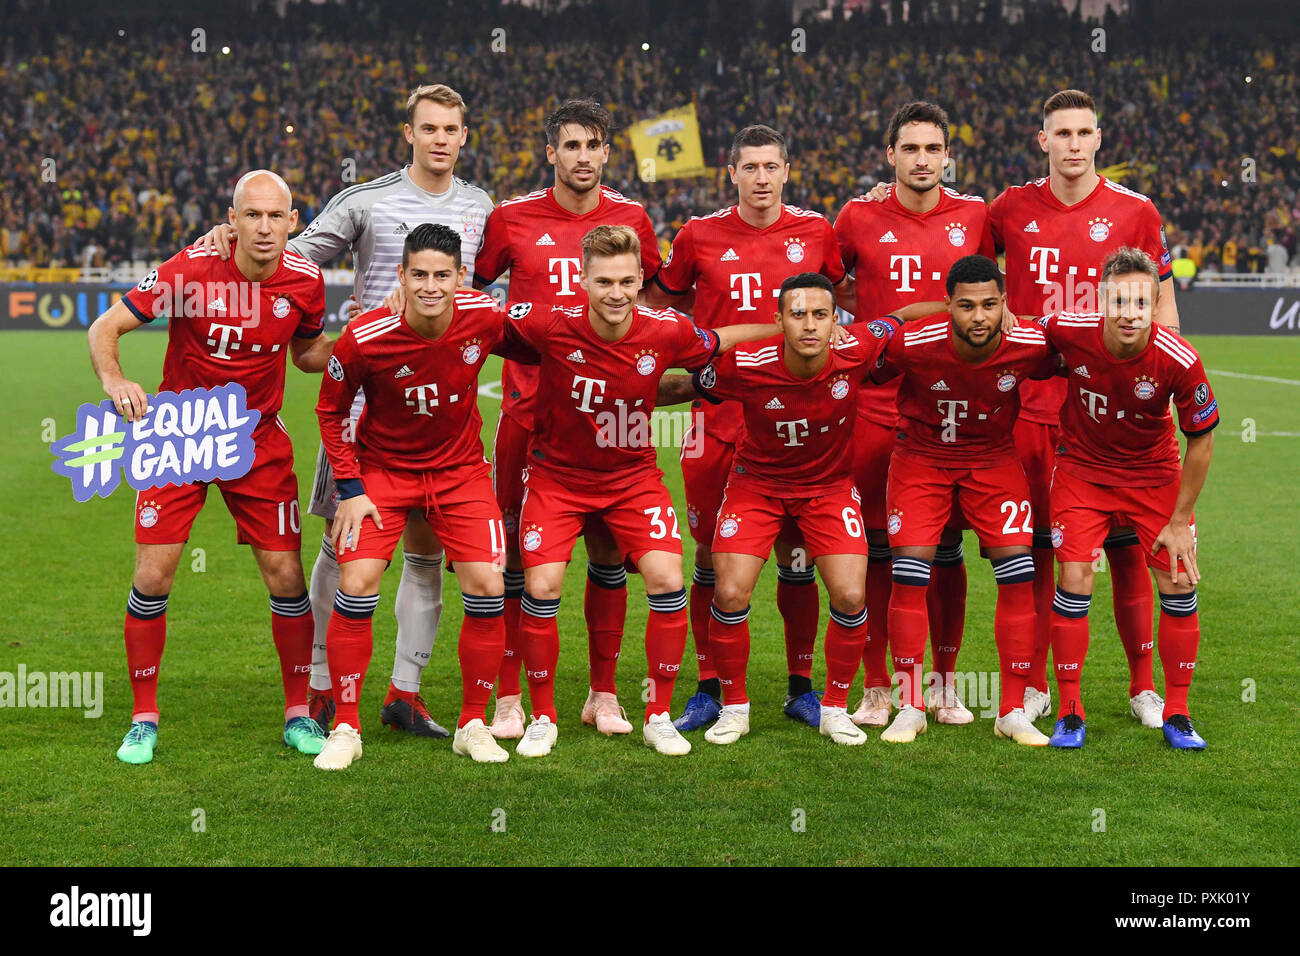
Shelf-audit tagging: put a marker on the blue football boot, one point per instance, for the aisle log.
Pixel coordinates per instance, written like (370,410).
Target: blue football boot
(806,707)
(1070,732)
(701,711)
(1181,734)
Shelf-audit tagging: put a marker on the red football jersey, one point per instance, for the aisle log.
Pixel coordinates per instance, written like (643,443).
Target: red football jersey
(955,414)
(797,430)
(1054,254)
(594,398)
(1116,427)
(224,328)
(737,271)
(540,242)
(421,411)
(898,257)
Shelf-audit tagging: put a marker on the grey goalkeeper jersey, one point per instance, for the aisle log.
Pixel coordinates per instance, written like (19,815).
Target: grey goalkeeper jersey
(374,218)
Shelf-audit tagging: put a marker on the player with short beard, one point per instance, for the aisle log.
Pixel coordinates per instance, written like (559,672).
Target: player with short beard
(1118,464)
(373,219)
(899,243)
(735,261)
(279,311)
(1056,231)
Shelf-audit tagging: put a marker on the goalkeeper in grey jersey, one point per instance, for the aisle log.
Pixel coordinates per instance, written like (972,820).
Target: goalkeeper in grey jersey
(372,219)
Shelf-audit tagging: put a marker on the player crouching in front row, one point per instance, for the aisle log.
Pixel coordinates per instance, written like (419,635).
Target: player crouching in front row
(958,400)
(1118,465)
(417,447)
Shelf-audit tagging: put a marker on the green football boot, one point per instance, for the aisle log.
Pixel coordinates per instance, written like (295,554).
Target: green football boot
(305,735)
(139,743)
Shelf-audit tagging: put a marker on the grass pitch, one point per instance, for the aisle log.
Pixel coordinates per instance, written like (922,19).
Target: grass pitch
(224,790)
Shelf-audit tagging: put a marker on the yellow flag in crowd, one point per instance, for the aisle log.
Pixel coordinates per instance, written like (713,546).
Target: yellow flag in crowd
(668,146)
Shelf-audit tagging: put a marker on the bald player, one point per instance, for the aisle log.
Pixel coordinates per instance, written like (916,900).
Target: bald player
(269,303)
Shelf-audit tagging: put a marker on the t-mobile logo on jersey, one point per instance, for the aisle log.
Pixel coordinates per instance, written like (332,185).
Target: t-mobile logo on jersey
(750,290)
(1094,402)
(220,337)
(564,273)
(903,270)
(422,398)
(1042,261)
(585,390)
(953,411)
(794,431)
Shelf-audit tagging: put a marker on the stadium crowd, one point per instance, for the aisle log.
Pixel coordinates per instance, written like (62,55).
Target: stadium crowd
(131,142)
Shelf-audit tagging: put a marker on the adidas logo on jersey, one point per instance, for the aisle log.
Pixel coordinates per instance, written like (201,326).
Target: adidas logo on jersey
(775,403)
(729,256)
(1033,226)
(1082,372)
(404,371)
(889,237)
(216,305)
(401,229)
(576,356)
(939,386)
(546,240)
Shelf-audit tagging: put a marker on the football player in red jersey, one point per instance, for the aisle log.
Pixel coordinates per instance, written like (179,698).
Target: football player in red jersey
(417,447)
(735,261)
(250,312)
(591,455)
(538,238)
(792,468)
(899,250)
(1055,232)
(1118,464)
(958,401)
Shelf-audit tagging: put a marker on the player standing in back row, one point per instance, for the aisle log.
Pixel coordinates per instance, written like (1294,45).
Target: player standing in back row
(373,219)
(1056,231)
(736,259)
(899,250)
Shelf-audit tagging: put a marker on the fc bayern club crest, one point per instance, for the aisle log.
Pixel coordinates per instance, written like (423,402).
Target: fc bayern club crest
(956,234)
(728,528)
(645,364)
(692,517)
(1058,536)
(532,540)
(1006,382)
(471,353)
(1144,390)
(839,389)
(280,308)
(148,516)
(894,524)
(794,250)
(1098,230)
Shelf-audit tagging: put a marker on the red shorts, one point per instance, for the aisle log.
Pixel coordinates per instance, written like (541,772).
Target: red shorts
(639,515)
(509,458)
(749,522)
(264,503)
(873,445)
(706,465)
(1036,446)
(994,501)
(1084,513)
(457,503)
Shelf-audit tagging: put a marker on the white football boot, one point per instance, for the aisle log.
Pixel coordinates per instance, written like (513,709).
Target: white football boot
(341,748)
(476,741)
(660,734)
(1016,725)
(909,722)
(539,739)
(837,726)
(1148,707)
(732,724)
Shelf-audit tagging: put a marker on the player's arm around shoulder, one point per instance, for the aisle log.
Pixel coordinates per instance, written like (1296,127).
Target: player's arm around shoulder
(311,354)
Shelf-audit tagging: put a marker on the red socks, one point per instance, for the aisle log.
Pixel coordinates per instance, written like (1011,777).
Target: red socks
(512,660)
(1180,639)
(909,622)
(145,631)
(605,606)
(349,643)
(875,655)
(1069,648)
(700,601)
(541,638)
(293,629)
(729,643)
(1013,630)
(946,603)
(845,636)
(482,644)
(665,642)
(1044,589)
(1134,607)
(800,609)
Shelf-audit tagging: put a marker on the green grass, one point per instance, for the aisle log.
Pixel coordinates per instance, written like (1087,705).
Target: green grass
(957,796)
